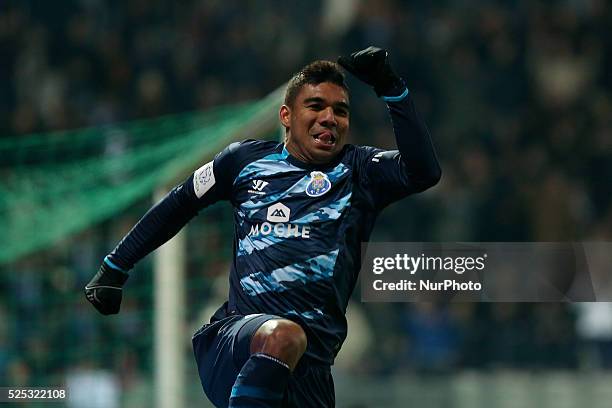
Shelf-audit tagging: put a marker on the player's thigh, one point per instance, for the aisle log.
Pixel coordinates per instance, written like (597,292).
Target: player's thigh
(222,350)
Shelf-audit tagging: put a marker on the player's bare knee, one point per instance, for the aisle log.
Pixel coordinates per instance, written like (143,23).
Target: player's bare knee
(291,337)
(282,339)
(283,335)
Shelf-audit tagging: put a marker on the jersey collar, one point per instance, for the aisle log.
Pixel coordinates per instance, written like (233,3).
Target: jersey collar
(308,166)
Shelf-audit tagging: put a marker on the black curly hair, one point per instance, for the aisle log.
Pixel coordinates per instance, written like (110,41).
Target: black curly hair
(314,73)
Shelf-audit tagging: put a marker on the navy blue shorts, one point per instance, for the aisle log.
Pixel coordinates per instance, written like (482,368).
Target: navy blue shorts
(221,348)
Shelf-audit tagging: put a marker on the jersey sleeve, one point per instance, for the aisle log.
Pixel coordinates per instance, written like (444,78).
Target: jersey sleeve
(207,185)
(412,168)
(214,180)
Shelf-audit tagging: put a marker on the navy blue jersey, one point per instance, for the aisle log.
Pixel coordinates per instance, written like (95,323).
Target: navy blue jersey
(298,228)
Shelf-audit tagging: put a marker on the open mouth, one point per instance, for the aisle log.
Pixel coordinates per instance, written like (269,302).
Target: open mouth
(325,139)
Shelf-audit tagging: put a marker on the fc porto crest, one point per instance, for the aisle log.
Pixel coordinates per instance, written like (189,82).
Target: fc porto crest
(318,185)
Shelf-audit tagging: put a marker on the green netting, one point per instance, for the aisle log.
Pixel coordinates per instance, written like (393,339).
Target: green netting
(55,184)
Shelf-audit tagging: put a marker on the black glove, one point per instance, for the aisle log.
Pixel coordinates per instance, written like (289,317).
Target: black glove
(104,291)
(372,67)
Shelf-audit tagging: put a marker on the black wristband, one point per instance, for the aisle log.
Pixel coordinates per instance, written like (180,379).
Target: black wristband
(110,276)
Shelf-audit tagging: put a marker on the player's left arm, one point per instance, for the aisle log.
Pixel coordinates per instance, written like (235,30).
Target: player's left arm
(414,166)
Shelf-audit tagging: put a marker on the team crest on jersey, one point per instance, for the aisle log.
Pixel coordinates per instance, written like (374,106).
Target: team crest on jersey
(318,185)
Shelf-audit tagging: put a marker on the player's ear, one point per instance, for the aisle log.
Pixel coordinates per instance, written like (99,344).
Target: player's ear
(285,115)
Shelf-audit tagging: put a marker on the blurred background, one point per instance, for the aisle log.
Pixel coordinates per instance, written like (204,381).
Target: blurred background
(99,99)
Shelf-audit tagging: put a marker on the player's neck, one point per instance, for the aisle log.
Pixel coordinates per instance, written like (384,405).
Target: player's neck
(303,159)
(298,154)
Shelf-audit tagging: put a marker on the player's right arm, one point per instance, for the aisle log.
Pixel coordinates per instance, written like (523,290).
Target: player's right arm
(207,185)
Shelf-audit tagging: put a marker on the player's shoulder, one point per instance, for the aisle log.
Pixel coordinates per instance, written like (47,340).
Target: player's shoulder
(251,148)
(357,154)
(237,155)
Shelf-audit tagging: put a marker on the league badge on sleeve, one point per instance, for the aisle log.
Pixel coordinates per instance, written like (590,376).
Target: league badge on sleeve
(318,185)
(203,179)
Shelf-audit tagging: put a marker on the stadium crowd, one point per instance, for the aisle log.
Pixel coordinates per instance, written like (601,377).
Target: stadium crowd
(517,96)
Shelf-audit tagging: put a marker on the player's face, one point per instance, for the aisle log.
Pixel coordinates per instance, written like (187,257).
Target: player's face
(317,123)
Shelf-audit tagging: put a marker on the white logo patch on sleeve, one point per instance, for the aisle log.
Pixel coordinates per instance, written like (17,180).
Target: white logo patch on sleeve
(377,156)
(203,179)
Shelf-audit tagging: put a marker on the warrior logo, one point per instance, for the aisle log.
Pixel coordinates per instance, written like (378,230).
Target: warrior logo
(258,186)
(318,185)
